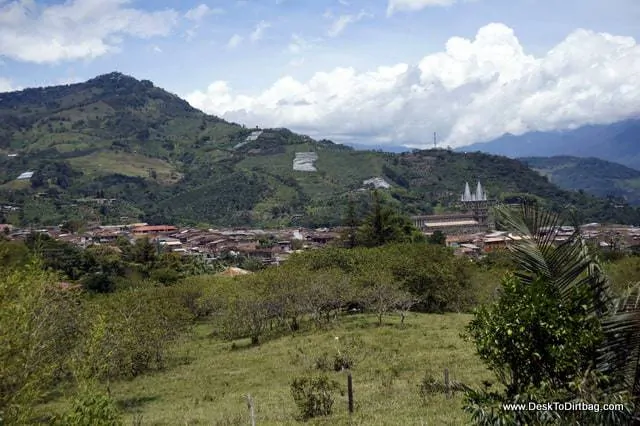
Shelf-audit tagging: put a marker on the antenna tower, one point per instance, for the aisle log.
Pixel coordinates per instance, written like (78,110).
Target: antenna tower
(435,145)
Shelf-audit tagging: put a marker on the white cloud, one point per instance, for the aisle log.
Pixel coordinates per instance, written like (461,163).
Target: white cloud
(76,29)
(343,21)
(234,41)
(472,91)
(414,5)
(299,44)
(198,13)
(157,49)
(6,86)
(258,33)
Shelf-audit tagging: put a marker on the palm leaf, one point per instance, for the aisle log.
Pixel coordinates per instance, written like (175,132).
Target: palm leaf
(572,265)
(569,265)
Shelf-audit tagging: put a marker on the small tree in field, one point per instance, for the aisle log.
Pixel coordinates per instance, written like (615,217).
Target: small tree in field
(382,293)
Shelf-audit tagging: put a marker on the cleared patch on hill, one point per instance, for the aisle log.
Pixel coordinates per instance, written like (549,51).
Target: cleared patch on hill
(113,162)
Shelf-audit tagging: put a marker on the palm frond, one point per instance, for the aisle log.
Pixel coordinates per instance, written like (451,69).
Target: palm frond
(569,265)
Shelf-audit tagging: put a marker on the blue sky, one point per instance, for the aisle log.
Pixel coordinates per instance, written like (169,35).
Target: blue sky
(315,66)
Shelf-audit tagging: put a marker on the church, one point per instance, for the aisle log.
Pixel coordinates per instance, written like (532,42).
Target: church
(474,219)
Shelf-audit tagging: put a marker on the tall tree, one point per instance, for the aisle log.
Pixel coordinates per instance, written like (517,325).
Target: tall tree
(351,223)
(384,225)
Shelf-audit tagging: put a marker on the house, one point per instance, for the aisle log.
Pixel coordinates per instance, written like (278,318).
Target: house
(495,242)
(105,236)
(172,244)
(152,229)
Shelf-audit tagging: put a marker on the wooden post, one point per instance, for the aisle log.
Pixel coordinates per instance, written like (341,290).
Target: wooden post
(251,413)
(447,384)
(350,392)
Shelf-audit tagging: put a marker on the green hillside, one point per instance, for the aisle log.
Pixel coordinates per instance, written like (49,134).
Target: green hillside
(163,161)
(591,175)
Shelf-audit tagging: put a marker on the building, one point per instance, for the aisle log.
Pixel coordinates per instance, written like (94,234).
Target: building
(477,204)
(153,229)
(455,223)
(474,218)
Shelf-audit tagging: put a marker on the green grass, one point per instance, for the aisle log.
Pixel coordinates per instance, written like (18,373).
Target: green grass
(391,362)
(106,162)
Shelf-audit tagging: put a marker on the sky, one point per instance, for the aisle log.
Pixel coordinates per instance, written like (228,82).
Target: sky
(370,72)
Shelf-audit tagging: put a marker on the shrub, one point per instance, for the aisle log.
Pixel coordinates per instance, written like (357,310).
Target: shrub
(130,333)
(38,325)
(314,395)
(350,351)
(322,362)
(92,408)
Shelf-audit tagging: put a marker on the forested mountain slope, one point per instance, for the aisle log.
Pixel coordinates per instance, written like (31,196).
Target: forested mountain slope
(160,160)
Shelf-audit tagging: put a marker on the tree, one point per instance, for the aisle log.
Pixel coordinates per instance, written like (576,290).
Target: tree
(438,238)
(383,294)
(384,225)
(143,252)
(351,223)
(39,324)
(72,226)
(555,334)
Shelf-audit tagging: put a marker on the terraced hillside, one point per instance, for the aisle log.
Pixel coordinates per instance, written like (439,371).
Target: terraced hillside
(115,137)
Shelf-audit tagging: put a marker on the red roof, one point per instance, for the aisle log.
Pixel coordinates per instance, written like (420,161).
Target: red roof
(154,228)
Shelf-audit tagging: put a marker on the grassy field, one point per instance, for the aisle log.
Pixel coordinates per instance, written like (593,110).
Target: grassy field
(209,387)
(106,162)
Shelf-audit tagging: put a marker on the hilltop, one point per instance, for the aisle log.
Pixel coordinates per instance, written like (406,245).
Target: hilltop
(115,147)
(591,175)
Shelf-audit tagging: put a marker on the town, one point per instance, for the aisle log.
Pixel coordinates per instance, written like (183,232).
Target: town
(469,233)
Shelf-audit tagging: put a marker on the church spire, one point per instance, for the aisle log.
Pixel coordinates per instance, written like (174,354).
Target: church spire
(467,192)
(479,193)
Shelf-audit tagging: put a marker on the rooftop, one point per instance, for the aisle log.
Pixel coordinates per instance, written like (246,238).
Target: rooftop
(452,223)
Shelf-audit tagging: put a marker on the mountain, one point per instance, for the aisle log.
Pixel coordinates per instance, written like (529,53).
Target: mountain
(618,142)
(591,175)
(115,148)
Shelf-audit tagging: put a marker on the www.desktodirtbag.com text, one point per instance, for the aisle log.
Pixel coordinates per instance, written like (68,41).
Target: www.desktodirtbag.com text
(563,406)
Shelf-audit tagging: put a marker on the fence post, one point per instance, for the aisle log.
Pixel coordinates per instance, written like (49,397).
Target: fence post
(251,413)
(350,392)
(447,384)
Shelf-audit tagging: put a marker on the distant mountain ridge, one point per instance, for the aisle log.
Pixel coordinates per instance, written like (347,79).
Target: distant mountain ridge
(115,148)
(591,175)
(618,142)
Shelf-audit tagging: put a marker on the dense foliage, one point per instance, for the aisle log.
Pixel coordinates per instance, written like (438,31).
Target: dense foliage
(555,335)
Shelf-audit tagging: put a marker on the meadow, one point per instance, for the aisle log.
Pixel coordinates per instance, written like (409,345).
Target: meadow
(208,379)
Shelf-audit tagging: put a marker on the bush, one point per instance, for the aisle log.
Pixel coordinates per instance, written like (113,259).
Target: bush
(131,333)
(92,408)
(322,362)
(38,326)
(530,338)
(314,395)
